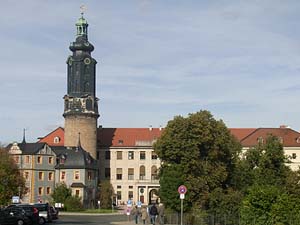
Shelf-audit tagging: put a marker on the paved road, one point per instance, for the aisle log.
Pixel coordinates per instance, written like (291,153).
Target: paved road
(93,219)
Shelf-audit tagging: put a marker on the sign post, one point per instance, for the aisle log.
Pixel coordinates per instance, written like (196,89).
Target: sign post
(181,190)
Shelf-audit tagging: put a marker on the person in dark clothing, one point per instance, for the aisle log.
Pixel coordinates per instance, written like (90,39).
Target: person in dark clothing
(153,213)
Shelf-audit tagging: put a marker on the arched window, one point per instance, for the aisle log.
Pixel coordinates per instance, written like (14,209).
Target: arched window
(142,172)
(154,175)
(56,140)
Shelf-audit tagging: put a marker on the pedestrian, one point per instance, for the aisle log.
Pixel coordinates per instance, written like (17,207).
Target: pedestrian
(161,214)
(135,213)
(144,214)
(153,213)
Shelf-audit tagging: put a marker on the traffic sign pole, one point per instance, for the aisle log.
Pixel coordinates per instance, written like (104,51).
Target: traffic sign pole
(181,190)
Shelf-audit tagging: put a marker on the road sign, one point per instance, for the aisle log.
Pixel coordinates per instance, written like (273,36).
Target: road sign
(182,189)
(182,196)
(129,203)
(15,199)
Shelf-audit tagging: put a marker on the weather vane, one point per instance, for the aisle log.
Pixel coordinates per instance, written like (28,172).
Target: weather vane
(82,9)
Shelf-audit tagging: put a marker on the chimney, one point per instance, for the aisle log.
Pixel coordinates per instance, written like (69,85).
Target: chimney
(160,127)
(283,126)
(150,127)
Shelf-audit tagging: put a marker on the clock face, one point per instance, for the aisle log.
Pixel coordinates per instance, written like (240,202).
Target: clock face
(87,61)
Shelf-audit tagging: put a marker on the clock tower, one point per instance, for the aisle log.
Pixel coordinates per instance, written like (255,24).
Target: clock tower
(81,103)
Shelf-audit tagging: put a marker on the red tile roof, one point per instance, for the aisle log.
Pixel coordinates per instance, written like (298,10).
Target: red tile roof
(49,138)
(290,138)
(241,133)
(127,137)
(130,137)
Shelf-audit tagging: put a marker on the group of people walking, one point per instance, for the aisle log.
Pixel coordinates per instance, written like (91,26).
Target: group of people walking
(152,212)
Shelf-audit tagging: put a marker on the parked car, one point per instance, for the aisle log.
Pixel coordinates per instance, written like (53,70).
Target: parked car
(54,213)
(30,211)
(44,212)
(14,216)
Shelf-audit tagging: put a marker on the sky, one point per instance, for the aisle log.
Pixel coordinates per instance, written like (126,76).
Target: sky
(156,59)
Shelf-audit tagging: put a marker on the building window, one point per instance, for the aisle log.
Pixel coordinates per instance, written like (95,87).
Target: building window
(260,140)
(119,187)
(142,155)
(16,159)
(119,173)
(50,176)
(56,140)
(40,191)
(62,175)
(50,160)
(154,173)
(98,155)
(153,155)
(27,159)
(41,175)
(107,155)
(76,175)
(26,175)
(39,159)
(48,190)
(130,194)
(119,195)
(142,173)
(107,173)
(130,155)
(119,155)
(130,187)
(294,155)
(90,175)
(130,173)
(77,192)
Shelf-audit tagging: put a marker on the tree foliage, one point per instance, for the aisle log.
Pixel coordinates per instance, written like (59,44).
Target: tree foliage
(61,193)
(106,194)
(272,189)
(201,153)
(12,182)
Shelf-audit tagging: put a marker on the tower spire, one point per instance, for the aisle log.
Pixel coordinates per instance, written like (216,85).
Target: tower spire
(24,139)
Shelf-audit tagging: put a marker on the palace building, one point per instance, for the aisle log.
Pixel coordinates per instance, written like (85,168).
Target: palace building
(82,153)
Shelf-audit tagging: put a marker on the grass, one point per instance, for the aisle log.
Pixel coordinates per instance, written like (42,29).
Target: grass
(99,211)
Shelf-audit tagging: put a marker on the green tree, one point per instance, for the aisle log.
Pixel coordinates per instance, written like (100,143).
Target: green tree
(61,193)
(11,181)
(206,153)
(73,203)
(106,194)
(272,189)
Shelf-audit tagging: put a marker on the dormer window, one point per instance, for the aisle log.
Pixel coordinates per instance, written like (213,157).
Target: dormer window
(298,139)
(260,140)
(120,142)
(62,159)
(56,140)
